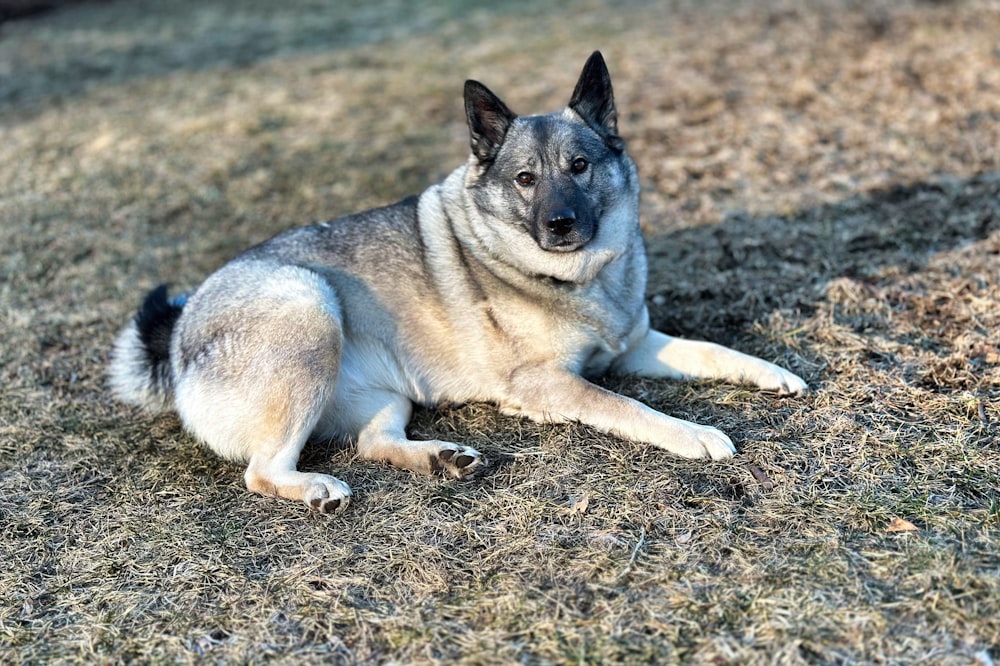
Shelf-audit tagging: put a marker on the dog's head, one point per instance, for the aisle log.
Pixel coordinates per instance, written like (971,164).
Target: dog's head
(558,175)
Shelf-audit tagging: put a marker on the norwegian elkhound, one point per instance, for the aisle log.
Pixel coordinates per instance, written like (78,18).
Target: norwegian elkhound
(510,282)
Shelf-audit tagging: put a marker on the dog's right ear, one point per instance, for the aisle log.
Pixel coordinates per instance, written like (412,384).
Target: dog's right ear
(489,119)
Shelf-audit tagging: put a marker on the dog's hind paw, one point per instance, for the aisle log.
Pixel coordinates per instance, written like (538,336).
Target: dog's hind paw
(460,462)
(319,492)
(327,494)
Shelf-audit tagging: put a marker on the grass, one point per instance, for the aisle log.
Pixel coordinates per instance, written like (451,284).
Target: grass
(821,187)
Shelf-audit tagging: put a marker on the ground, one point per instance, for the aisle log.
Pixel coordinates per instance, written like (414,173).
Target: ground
(821,187)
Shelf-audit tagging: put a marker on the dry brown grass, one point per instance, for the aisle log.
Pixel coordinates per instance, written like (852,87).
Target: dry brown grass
(822,187)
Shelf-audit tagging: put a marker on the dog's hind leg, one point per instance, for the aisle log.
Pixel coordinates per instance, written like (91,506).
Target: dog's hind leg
(294,401)
(265,417)
(383,438)
(258,369)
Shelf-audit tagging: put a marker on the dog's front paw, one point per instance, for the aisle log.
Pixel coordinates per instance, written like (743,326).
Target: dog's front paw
(326,494)
(713,443)
(777,379)
(457,461)
(697,441)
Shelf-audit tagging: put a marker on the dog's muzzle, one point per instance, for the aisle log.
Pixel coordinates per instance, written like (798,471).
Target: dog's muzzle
(563,231)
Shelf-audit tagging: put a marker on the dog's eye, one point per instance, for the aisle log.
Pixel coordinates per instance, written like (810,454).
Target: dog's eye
(525,179)
(579,165)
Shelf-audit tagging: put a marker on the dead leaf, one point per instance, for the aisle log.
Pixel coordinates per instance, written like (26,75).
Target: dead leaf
(901,525)
(578,505)
(762,478)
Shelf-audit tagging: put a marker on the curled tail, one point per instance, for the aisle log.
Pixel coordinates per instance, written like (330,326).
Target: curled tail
(140,372)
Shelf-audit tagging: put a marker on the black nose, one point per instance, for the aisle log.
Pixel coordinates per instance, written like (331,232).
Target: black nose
(561,221)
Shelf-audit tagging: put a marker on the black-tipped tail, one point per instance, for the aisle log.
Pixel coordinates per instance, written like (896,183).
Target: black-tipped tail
(155,321)
(140,372)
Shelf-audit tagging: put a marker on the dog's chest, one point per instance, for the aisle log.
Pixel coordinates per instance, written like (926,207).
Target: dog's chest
(577,331)
(604,331)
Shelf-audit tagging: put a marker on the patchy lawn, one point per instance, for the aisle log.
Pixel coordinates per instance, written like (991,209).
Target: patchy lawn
(821,187)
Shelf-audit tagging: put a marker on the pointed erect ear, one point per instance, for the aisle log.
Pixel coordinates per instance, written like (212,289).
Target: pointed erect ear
(594,100)
(489,119)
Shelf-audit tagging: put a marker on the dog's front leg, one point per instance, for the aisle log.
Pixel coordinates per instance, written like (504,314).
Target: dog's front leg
(660,355)
(554,395)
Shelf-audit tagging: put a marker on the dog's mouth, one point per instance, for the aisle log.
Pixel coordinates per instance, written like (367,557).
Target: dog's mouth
(562,244)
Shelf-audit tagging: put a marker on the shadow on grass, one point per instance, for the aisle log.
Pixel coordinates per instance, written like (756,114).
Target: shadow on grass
(715,280)
(139,41)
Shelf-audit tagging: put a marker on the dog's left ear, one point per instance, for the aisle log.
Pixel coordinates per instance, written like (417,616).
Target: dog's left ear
(594,100)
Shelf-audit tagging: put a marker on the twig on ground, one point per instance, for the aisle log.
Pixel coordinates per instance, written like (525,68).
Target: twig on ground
(635,553)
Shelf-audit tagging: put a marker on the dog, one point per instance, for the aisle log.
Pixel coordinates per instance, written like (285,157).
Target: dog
(510,282)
